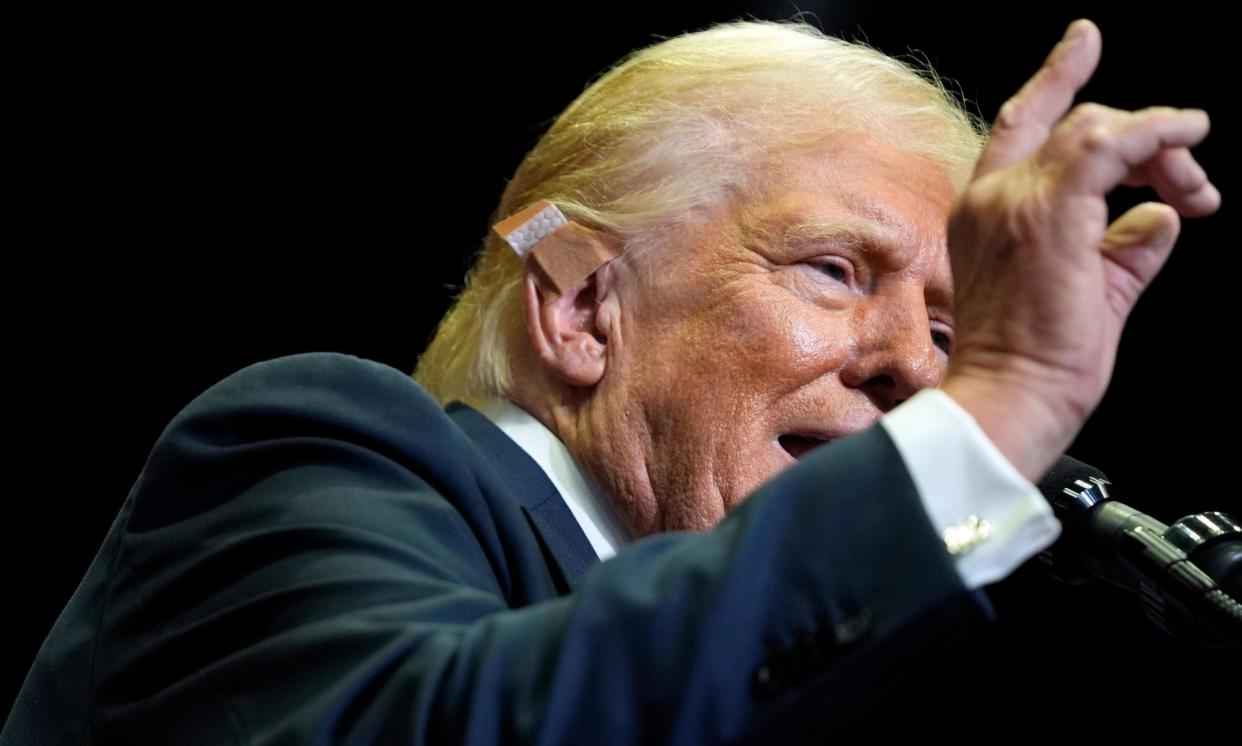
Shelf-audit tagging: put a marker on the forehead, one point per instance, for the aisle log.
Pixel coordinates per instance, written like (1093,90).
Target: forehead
(859,190)
(867,176)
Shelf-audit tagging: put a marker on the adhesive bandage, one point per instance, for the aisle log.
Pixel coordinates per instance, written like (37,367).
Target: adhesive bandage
(564,251)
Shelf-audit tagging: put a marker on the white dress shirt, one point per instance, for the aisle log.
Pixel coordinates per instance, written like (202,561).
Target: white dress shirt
(991,518)
(595,514)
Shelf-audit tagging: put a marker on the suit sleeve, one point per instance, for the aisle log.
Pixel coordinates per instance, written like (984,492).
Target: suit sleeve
(296,568)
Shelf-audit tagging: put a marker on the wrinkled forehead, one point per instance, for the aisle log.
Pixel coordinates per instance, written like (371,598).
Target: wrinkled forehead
(870,177)
(870,195)
(887,202)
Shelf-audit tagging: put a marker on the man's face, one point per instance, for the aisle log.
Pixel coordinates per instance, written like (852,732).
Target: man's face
(798,317)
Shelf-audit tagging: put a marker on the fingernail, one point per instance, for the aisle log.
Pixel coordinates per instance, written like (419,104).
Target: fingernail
(1075,31)
(1198,114)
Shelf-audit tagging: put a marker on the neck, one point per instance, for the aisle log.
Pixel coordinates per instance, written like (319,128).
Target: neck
(605,440)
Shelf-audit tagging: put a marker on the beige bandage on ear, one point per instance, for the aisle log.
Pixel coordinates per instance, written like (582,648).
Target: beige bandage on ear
(564,251)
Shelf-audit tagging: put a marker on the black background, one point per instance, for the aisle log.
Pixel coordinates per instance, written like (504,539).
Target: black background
(200,190)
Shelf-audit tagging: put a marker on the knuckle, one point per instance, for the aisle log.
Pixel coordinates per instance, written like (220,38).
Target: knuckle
(1027,219)
(1088,114)
(1099,139)
(1010,114)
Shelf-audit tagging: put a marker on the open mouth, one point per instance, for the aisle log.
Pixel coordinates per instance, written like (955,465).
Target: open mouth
(798,445)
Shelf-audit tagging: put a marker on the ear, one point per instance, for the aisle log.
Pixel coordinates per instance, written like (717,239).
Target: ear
(565,327)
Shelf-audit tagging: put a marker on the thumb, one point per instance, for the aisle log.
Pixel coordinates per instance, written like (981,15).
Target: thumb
(1135,247)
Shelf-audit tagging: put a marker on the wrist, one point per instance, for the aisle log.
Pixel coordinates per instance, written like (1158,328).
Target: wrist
(1028,431)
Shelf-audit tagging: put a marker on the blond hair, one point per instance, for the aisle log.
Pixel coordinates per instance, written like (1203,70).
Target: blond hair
(673,129)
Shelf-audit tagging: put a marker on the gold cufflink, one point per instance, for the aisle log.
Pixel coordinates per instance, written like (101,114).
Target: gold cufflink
(963,537)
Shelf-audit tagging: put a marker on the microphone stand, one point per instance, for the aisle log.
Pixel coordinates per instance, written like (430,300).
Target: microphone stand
(1188,576)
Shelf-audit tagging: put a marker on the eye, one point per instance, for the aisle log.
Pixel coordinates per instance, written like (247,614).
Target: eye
(942,340)
(835,270)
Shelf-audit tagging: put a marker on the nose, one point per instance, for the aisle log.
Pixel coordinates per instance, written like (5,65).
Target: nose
(894,355)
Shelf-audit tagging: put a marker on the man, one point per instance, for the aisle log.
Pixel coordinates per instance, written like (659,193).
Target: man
(316,552)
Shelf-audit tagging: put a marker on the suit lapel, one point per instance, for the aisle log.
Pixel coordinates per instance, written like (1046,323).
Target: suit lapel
(544,507)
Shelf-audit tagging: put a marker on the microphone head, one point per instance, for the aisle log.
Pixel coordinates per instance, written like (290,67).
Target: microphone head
(1073,488)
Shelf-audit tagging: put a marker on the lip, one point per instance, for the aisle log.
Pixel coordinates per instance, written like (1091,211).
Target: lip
(797,444)
(797,439)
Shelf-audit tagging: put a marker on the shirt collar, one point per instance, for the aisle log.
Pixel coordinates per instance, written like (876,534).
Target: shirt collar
(590,507)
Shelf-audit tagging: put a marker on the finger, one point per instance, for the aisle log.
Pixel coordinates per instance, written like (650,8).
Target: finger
(1136,245)
(1025,120)
(1174,173)
(1179,180)
(1084,117)
(1110,154)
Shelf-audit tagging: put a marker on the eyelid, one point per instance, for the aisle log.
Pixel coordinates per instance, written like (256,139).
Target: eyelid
(844,262)
(946,326)
(945,329)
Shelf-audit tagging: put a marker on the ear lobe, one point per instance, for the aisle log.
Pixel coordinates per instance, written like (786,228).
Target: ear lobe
(563,330)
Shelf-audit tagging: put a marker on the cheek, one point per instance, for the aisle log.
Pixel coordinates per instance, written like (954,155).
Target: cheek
(737,349)
(783,341)
(819,340)
(713,385)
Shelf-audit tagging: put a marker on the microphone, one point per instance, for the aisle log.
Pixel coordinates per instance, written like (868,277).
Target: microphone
(1187,576)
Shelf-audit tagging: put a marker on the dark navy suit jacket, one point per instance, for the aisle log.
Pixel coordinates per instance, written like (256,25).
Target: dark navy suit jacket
(315,552)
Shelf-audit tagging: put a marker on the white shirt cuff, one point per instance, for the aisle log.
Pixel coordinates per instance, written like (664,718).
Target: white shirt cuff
(991,518)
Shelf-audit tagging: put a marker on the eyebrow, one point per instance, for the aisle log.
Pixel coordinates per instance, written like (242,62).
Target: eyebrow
(877,245)
(879,240)
(871,222)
